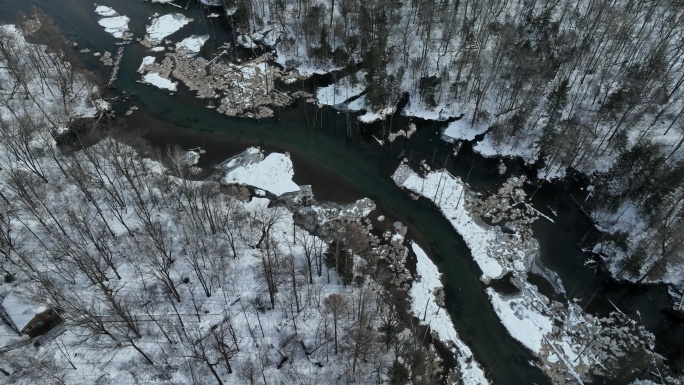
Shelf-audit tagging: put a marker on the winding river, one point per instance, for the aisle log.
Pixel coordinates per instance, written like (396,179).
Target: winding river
(343,169)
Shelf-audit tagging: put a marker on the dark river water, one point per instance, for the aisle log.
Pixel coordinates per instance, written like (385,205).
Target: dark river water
(344,169)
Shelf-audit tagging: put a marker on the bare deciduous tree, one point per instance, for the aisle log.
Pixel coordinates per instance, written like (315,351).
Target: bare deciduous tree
(337,306)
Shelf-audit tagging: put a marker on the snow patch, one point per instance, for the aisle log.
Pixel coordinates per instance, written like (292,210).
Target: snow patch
(113,23)
(192,45)
(448,193)
(153,78)
(461,130)
(372,116)
(343,90)
(165,25)
(147,60)
(273,173)
(424,305)
(522,322)
(21,309)
(105,11)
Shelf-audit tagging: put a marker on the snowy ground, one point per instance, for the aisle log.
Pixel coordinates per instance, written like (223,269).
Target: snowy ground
(460,130)
(300,62)
(523,323)
(272,173)
(342,90)
(226,301)
(147,61)
(372,116)
(627,219)
(223,305)
(165,280)
(263,335)
(43,97)
(424,306)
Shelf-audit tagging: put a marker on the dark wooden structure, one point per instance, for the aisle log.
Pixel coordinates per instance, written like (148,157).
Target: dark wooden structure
(42,323)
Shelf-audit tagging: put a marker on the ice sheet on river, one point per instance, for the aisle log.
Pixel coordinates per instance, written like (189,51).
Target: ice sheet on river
(158,81)
(113,23)
(524,323)
(273,173)
(163,26)
(192,45)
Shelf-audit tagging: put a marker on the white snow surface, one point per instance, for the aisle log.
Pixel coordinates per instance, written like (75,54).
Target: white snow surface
(522,322)
(304,68)
(357,104)
(113,23)
(192,45)
(629,220)
(417,108)
(273,173)
(21,308)
(147,60)
(342,90)
(81,101)
(374,116)
(105,11)
(447,192)
(158,81)
(524,148)
(424,307)
(163,26)
(462,130)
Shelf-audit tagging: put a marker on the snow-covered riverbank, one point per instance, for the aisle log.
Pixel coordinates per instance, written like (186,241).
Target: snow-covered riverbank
(566,341)
(427,305)
(495,252)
